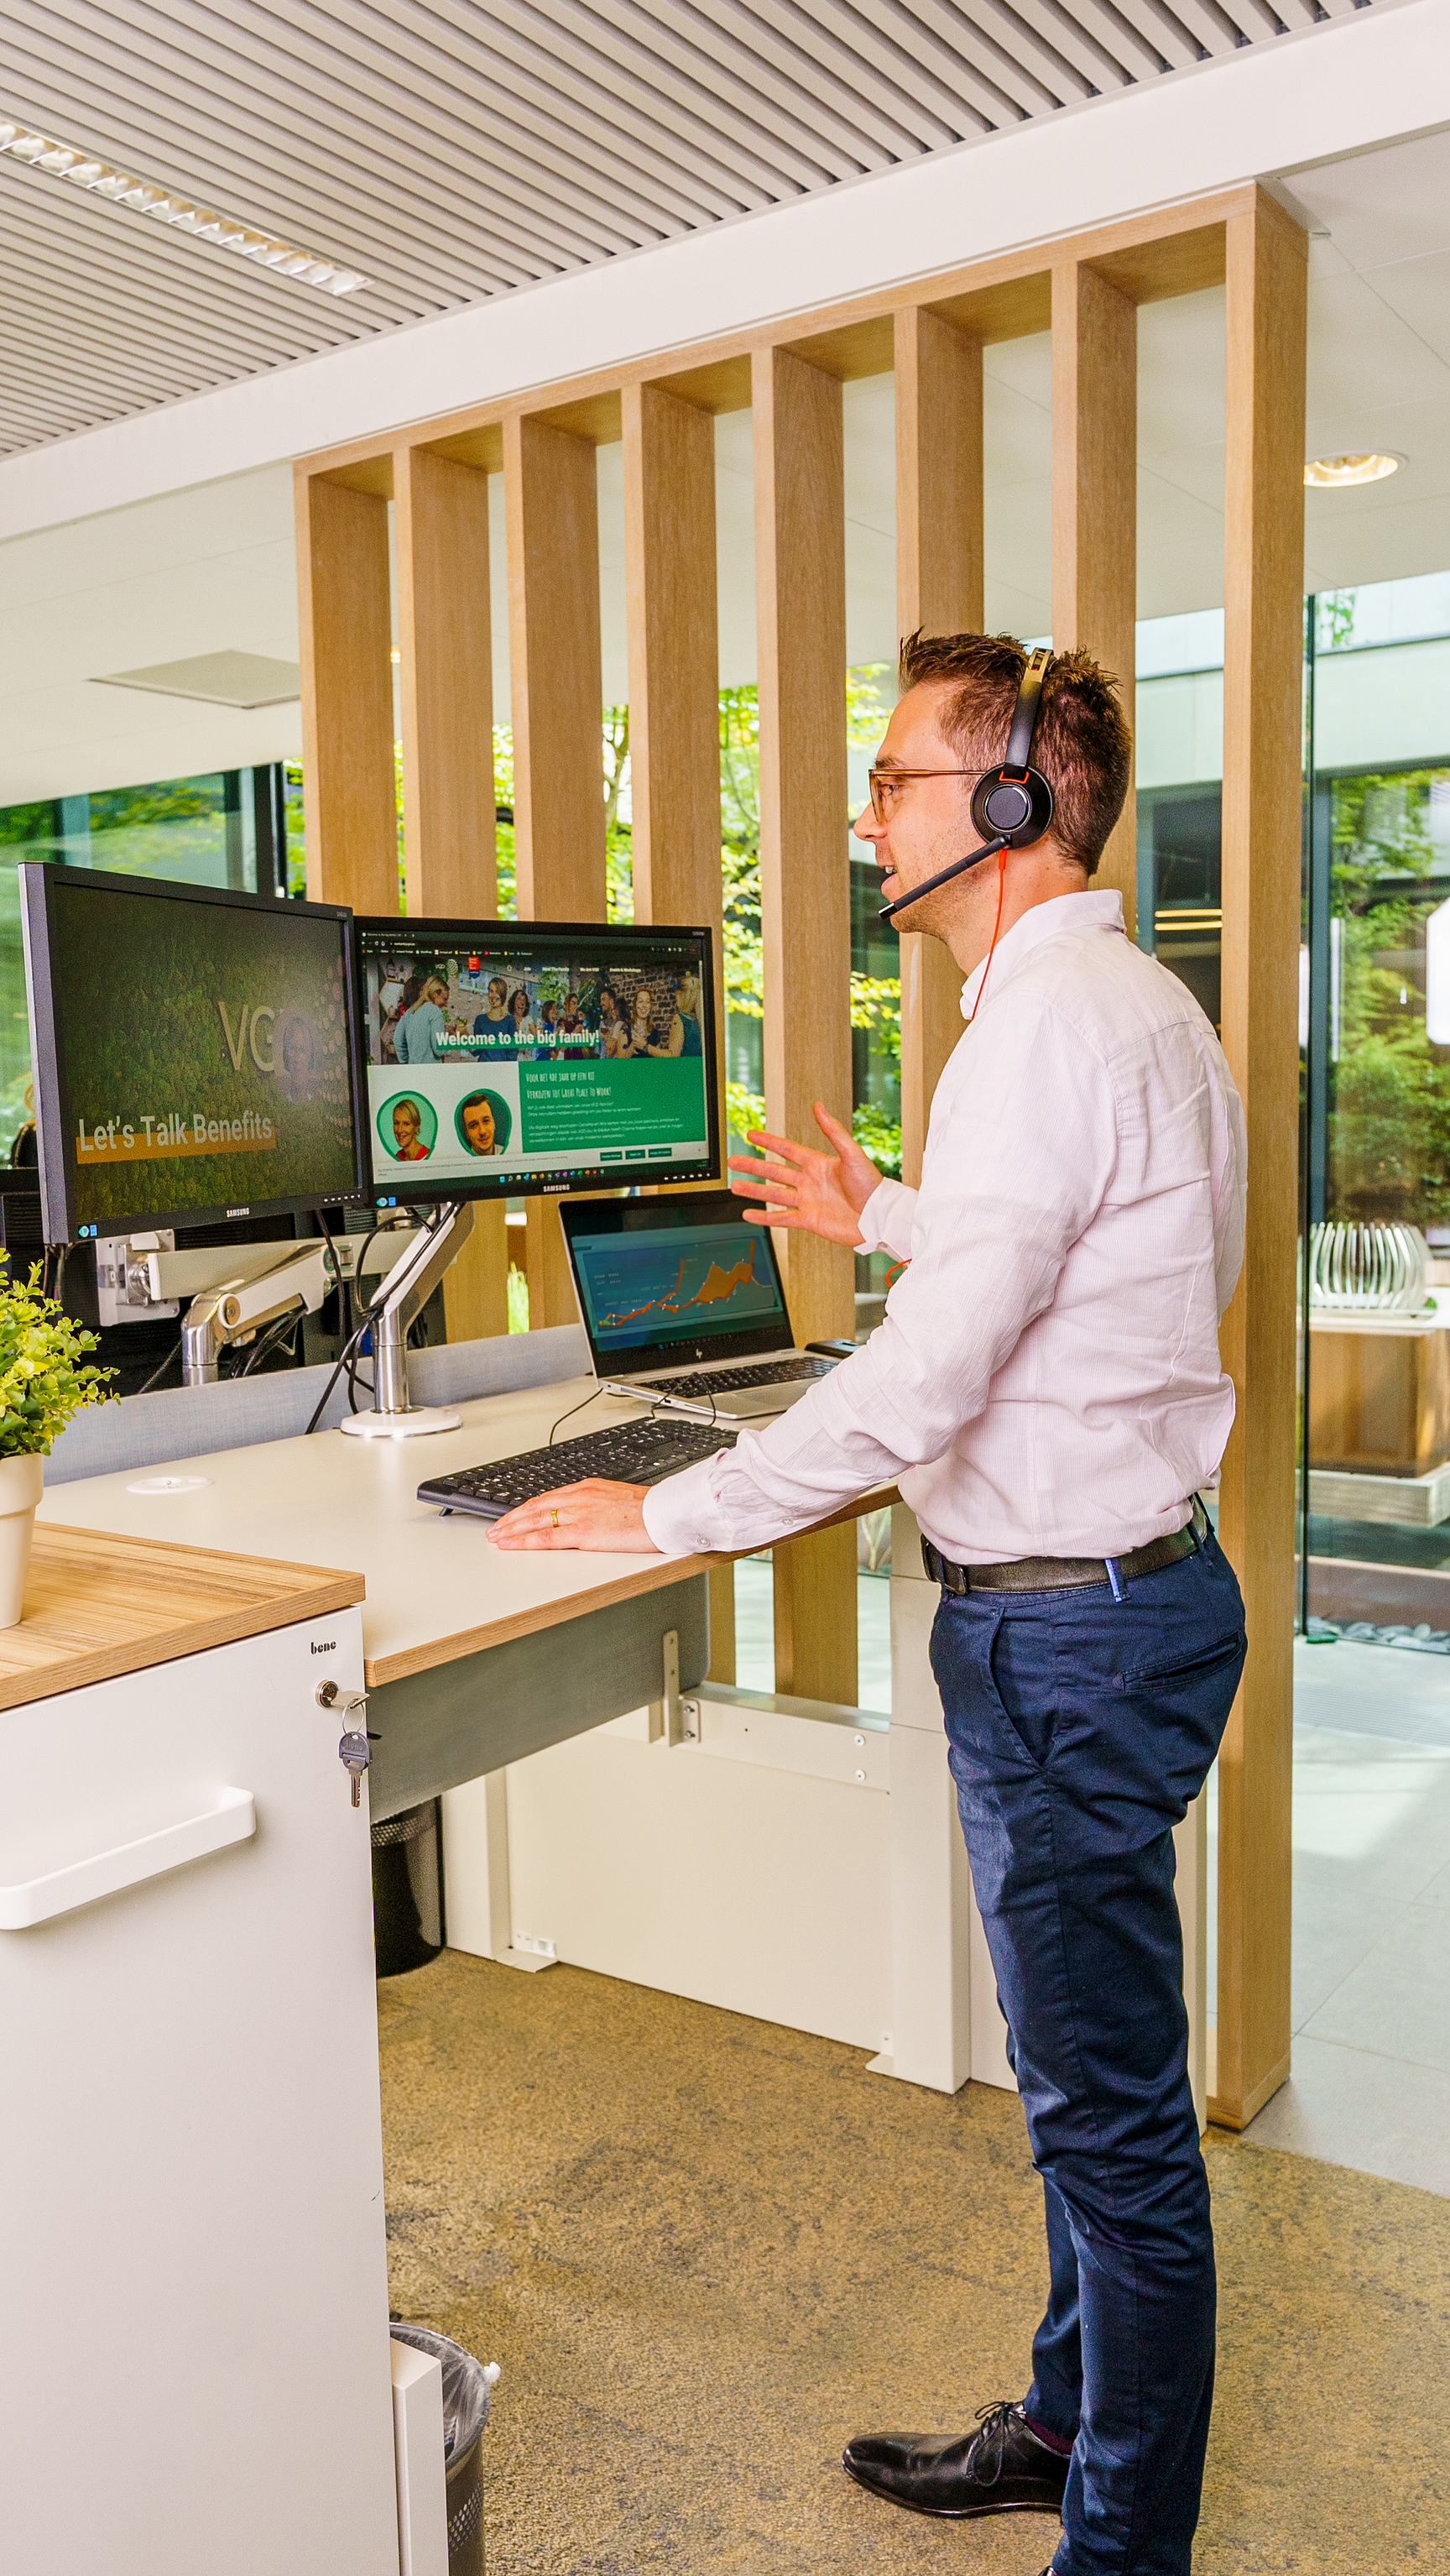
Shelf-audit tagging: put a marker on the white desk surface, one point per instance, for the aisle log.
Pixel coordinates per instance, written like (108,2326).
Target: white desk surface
(435,1588)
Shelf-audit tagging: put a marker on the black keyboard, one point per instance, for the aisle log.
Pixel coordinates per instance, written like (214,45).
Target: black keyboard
(632,1453)
(728,1381)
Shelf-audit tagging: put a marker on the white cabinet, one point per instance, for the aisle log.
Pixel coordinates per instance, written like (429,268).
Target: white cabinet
(195,2376)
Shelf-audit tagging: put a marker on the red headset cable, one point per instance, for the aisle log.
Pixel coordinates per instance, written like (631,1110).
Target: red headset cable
(996,927)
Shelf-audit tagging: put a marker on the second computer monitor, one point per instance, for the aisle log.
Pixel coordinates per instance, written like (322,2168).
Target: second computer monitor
(508,1057)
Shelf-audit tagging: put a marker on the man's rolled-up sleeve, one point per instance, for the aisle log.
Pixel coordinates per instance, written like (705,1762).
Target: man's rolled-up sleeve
(887,1220)
(1019,1165)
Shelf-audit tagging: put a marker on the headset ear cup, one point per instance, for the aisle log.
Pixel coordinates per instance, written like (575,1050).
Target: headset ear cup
(1013,805)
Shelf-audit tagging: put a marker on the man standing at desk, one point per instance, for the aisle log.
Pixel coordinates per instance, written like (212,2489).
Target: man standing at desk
(1046,1388)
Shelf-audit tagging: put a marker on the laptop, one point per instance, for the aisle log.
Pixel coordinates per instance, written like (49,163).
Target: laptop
(683,1303)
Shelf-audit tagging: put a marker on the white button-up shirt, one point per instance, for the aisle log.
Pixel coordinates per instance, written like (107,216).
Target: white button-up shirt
(1047,1379)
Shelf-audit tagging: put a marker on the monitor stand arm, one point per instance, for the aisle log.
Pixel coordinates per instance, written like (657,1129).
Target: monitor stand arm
(238,1308)
(410,1284)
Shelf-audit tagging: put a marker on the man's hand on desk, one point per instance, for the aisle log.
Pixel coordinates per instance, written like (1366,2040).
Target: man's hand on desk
(603,1517)
(824,1193)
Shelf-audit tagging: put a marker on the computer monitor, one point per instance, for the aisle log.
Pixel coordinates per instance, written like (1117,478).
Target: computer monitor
(521,1057)
(196,1058)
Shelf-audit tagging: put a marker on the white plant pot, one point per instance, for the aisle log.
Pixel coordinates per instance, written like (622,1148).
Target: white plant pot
(22,1481)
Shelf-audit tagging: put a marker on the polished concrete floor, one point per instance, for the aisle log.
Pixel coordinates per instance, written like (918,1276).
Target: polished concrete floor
(705,2250)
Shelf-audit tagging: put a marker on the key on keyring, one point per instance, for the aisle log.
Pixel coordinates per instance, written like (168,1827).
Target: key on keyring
(353,1753)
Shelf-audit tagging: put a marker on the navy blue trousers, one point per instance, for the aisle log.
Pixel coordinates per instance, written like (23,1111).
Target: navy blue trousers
(1079,1729)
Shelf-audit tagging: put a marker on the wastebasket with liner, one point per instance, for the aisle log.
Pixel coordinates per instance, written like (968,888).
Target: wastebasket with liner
(468,2387)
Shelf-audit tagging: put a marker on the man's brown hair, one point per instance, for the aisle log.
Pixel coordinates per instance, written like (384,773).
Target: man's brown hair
(1082,745)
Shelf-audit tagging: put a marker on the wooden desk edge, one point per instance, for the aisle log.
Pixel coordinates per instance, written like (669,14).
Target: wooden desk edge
(653,1574)
(307,1592)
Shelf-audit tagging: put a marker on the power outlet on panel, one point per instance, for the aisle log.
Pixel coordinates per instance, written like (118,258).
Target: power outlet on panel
(123,1285)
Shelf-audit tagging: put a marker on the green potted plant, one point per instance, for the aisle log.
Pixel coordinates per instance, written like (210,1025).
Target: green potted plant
(45,1379)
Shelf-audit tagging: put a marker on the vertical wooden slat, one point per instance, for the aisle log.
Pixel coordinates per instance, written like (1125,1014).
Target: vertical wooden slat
(445,651)
(938,588)
(445,648)
(345,644)
(1262,790)
(1095,505)
(805,912)
(674,725)
(804,848)
(556,691)
(674,722)
(722,1624)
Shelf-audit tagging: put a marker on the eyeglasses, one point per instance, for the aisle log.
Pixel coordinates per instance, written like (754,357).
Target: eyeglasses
(884,783)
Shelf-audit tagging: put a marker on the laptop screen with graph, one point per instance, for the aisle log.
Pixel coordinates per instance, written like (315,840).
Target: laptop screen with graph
(662,1281)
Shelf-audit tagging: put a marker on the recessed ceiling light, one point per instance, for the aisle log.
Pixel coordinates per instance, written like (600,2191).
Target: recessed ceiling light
(82,169)
(1326,473)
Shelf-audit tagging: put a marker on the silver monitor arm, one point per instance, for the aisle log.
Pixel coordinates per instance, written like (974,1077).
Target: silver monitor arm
(239,1307)
(410,1284)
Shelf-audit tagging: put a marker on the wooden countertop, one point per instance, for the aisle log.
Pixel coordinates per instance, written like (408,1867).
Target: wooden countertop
(436,1590)
(98,1605)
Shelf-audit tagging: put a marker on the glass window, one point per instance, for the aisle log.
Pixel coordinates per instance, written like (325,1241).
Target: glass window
(227,828)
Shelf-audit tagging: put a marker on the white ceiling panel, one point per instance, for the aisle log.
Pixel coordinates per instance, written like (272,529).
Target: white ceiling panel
(1357,344)
(451,151)
(1418,290)
(1383,206)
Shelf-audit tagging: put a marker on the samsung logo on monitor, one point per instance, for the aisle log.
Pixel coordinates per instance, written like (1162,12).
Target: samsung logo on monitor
(242,1211)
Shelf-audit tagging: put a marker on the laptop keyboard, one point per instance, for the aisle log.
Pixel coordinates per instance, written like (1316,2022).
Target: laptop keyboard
(631,1453)
(731,1381)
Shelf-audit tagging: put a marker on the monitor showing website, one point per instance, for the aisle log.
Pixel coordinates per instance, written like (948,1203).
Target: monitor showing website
(517,1057)
(194,1053)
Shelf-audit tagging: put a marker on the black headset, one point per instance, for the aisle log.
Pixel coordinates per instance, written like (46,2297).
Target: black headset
(1011,806)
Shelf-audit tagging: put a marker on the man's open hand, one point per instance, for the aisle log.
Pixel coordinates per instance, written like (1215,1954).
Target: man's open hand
(822,1193)
(604,1517)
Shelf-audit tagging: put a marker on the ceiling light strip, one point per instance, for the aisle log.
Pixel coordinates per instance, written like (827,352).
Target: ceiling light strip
(63,161)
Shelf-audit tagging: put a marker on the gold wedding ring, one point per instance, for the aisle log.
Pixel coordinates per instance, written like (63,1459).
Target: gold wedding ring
(553,1520)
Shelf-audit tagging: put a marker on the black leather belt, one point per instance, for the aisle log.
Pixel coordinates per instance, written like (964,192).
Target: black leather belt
(1067,1573)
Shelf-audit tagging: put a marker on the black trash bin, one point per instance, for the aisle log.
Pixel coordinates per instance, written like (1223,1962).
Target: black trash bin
(408,1889)
(467,2390)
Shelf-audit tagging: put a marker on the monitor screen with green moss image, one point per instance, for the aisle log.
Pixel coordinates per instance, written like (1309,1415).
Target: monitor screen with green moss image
(195,1053)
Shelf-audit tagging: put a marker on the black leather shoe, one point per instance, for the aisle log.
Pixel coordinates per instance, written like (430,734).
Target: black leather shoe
(1001,2468)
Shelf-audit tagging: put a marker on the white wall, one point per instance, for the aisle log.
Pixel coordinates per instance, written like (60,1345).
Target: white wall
(200,571)
(1180,729)
(1381,705)
(1386,705)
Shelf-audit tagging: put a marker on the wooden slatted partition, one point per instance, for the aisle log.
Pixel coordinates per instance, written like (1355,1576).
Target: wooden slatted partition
(939,587)
(800,539)
(445,652)
(556,691)
(674,726)
(1263,754)
(1095,503)
(1090,286)
(345,646)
